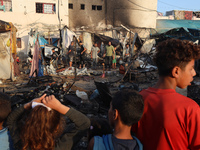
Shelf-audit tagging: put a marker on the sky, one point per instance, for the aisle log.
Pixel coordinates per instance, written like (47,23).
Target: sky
(168,5)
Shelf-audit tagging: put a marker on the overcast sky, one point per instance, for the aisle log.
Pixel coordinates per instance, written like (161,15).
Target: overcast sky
(163,5)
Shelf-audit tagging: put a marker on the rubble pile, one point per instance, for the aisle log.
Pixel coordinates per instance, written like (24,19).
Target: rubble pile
(193,91)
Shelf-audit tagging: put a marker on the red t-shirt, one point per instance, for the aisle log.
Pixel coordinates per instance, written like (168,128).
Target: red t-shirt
(170,121)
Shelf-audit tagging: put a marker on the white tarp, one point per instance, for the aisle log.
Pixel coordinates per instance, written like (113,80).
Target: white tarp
(146,47)
(67,37)
(48,51)
(5,60)
(71,71)
(87,41)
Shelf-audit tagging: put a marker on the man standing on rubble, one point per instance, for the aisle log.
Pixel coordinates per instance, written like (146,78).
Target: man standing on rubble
(54,58)
(71,51)
(127,53)
(82,55)
(108,53)
(170,120)
(94,55)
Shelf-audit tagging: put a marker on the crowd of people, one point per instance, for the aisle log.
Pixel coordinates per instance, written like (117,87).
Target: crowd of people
(108,54)
(157,118)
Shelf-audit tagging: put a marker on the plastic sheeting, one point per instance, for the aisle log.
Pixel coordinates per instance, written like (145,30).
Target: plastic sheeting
(87,41)
(165,25)
(67,37)
(35,60)
(5,69)
(81,94)
(146,47)
(50,69)
(71,70)
(5,62)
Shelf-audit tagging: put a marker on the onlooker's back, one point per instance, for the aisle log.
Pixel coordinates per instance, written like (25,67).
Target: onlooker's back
(164,124)
(126,108)
(170,120)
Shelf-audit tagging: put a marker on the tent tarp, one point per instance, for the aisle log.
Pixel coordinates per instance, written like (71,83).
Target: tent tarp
(165,25)
(179,33)
(4,26)
(5,65)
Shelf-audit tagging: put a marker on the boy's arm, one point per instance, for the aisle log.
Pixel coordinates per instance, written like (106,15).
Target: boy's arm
(91,144)
(72,137)
(83,50)
(91,52)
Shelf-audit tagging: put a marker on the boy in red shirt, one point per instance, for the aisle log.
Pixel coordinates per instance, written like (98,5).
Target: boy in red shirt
(171,120)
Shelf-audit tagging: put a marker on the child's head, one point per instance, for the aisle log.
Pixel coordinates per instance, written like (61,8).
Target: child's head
(5,106)
(127,45)
(174,52)
(99,127)
(41,128)
(128,104)
(53,49)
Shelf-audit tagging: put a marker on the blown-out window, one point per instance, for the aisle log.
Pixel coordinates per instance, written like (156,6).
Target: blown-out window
(99,7)
(70,6)
(82,6)
(93,7)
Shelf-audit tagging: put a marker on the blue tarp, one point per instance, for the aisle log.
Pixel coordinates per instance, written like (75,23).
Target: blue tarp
(166,25)
(42,41)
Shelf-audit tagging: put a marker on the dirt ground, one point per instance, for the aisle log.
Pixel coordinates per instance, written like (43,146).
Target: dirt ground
(84,83)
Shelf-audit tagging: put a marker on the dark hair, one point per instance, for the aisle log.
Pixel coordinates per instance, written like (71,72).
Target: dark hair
(174,52)
(99,127)
(129,104)
(5,106)
(41,129)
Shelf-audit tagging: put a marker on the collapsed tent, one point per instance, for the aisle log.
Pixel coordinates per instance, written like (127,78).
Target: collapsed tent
(179,33)
(106,39)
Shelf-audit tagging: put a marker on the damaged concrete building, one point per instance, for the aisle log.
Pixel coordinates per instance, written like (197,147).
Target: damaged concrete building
(48,16)
(44,15)
(86,13)
(138,15)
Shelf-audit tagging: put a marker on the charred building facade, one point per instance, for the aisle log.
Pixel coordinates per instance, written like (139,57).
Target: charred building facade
(135,13)
(86,13)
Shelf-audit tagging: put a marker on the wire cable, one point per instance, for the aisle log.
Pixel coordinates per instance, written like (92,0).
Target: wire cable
(176,6)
